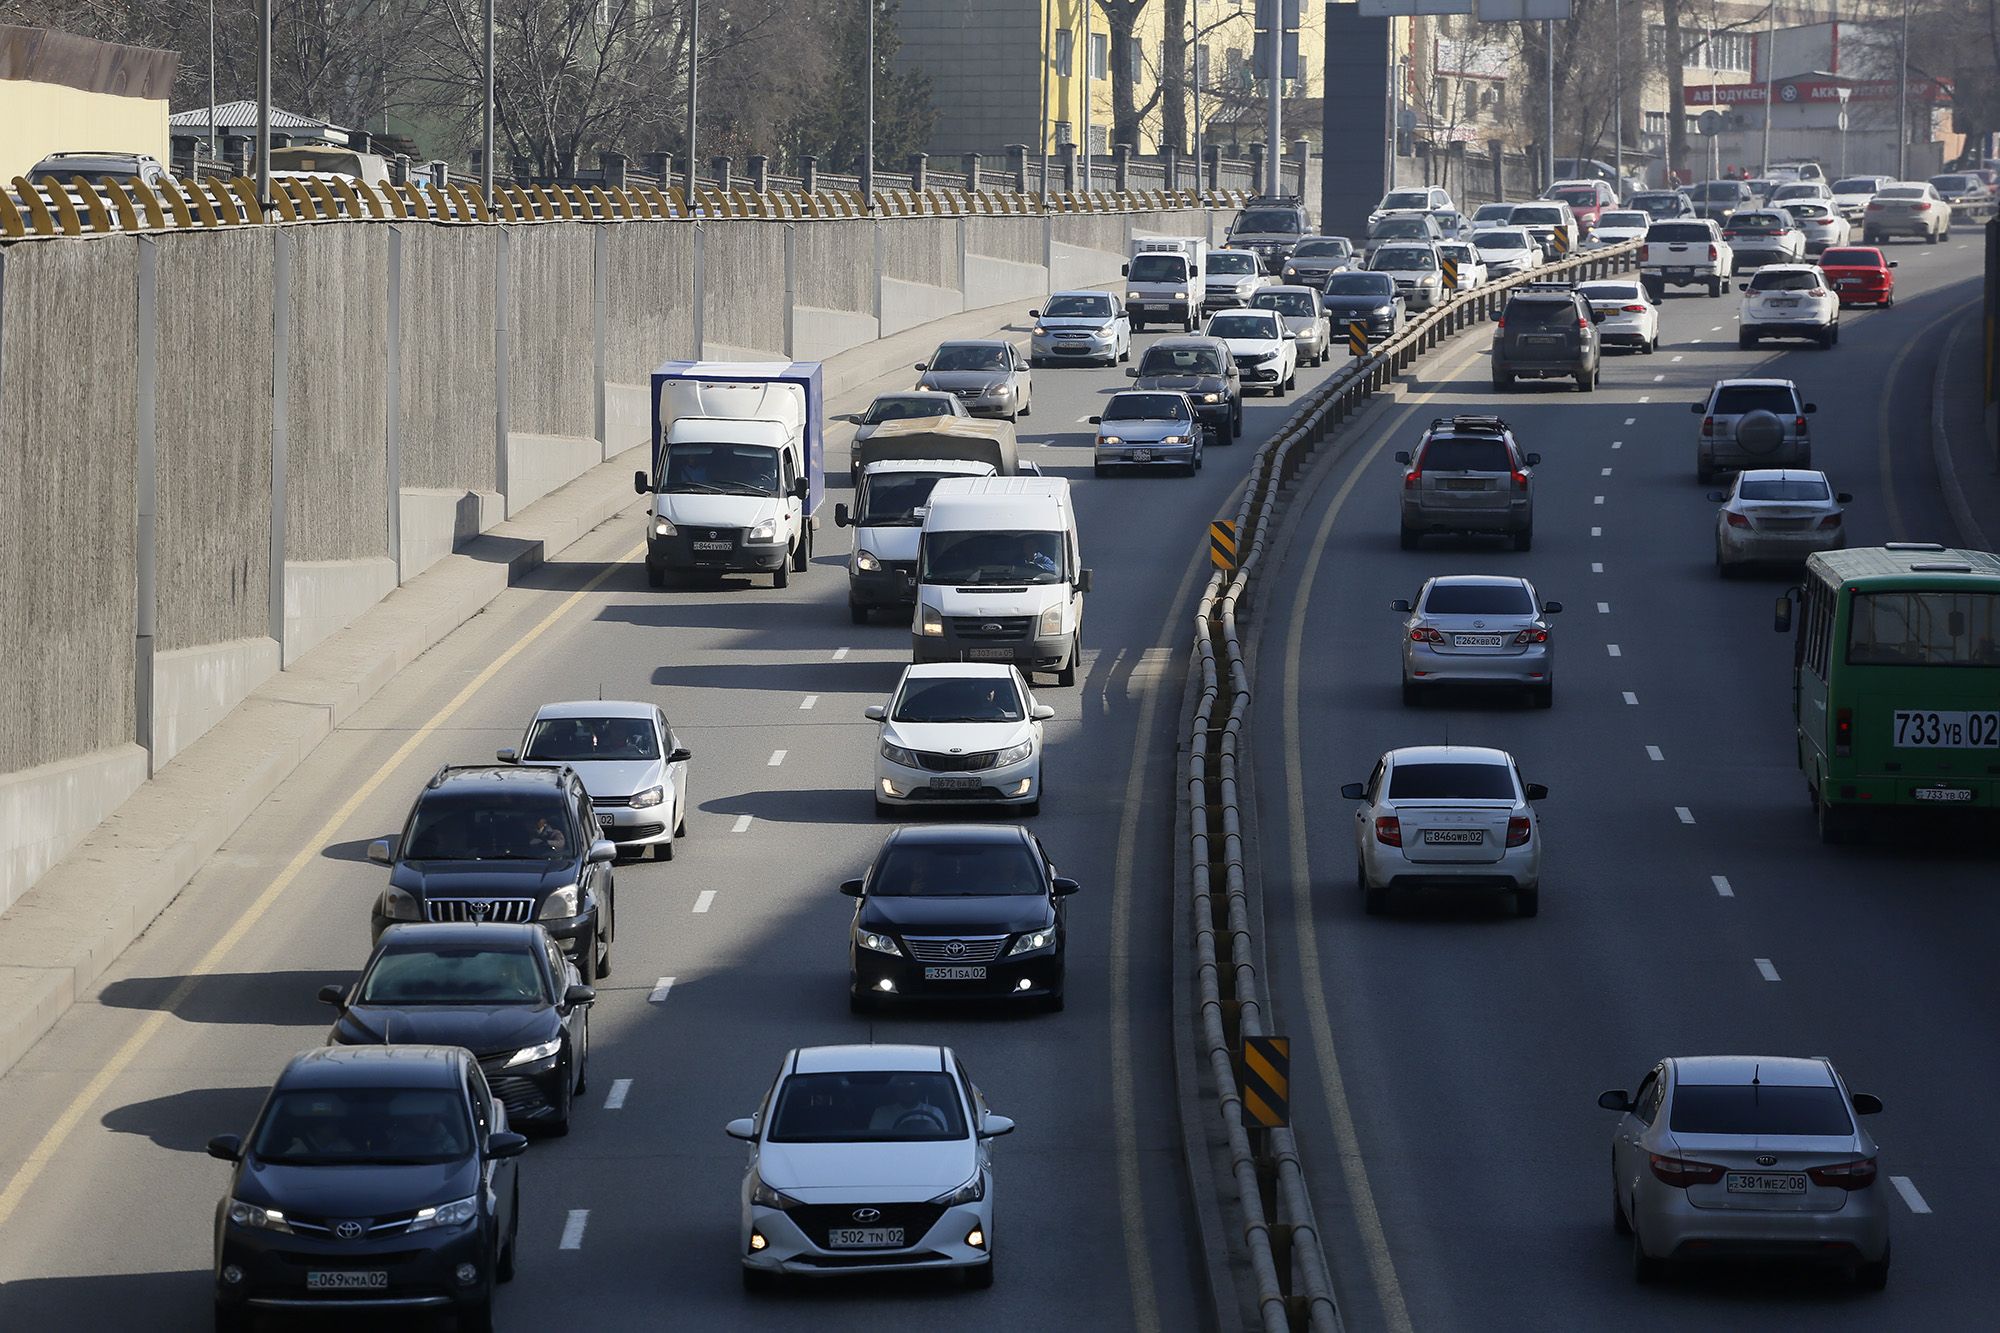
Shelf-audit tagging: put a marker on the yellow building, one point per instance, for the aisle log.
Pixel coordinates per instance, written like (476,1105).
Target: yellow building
(62,93)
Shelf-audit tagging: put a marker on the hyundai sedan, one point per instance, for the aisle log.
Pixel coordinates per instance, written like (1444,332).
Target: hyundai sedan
(631,763)
(1777,514)
(868,1159)
(1748,1157)
(1078,327)
(1452,817)
(960,733)
(1147,429)
(1478,629)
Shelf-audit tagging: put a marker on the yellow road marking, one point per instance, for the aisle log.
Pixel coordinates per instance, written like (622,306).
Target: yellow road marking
(65,1124)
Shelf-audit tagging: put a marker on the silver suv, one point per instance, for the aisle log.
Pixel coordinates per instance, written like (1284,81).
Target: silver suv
(1752,423)
(1468,475)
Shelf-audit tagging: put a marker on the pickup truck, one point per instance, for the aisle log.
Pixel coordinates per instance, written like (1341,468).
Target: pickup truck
(1685,252)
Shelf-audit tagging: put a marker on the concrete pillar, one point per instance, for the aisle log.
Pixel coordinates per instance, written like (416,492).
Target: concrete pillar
(1213,154)
(1121,165)
(360,141)
(920,170)
(1017,166)
(236,149)
(611,170)
(440,173)
(809,173)
(1066,166)
(969,163)
(566,165)
(1496,154)
(660,166)
(721,165)
(399,169)
(1257,151)
(1170,167)
(522,168)
(760,172)
(1301,160)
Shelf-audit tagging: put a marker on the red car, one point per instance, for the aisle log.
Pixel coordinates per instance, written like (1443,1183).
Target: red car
(1860,275)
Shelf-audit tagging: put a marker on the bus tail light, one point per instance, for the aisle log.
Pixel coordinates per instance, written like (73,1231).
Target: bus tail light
(1843,731)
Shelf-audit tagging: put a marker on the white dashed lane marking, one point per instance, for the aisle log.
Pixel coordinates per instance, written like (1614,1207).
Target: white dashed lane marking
(1597,566)
(805,704)
(659,993)
(840,654)
(1631,699)
(1653,753)
(1618,444)
(1598,500)
(572,1236)
(1765,970)
(1661,379)
(742,824)
(1645,397)
(1605,472)
(704,900)
(1722,889)
(1631,421)
(1908,1190)
(620,1088)
(1597,532)
(777,757)
(1685,815)
(1614,650)
(1677,358)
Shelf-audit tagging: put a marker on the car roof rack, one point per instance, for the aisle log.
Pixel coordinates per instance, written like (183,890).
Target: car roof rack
(1274,201)
(1471,424)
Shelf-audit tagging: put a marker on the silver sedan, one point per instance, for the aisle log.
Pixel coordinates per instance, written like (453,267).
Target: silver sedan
(1447,817)
(1478,629)
(989,375)
(1725,1156)
(1780,515)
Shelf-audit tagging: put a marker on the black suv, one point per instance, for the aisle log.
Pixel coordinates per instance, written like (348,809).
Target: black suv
(1546,331)
(1269,225)
(504,843)
(1202,369)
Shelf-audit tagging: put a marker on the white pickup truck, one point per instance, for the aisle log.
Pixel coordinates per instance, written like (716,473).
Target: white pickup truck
(1686,252)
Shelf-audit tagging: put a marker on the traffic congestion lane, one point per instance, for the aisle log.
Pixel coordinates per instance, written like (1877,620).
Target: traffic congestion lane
(724,958)
(1467,1048)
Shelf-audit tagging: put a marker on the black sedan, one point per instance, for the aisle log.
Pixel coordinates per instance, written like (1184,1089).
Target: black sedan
(507,993)
(374,1180)
(1202,369)
(1368,297)
(958,911)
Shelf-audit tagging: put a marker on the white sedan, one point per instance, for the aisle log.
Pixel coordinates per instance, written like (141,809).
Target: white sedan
(1452,817)
(1507,251)
(1616,226)
(1265,351)
(1630,317)
(1821,224)
(868,1159)
(1781,515)
(1788,301)
(1471,268)
(960,733)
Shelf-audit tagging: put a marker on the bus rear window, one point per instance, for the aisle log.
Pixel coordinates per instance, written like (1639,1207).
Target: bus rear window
(1924,628)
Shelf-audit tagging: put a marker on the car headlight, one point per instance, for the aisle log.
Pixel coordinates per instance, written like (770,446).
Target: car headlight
(454,1214)
(662,528)
(767,531)
(1110,439)
(1131,296)
(650,796)
(1014,754)
(528,1055)
(1051,622)
(765,1197)
(1039,330)
(880,943)
(1268,356)
(972,1191)
(865,560)
(1180,296)
(929,623)
(1035,941)
(561,903)
(398,905)
(1291,272)
(1173,439)
(261,1219)
(896,754)
(1211,398)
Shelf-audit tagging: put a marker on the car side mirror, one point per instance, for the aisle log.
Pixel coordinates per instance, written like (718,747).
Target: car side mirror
(1842,497)
(1353,791)
(875,712)
(1597,316)
(1532,459)
(1552,608)
(680,754)
(993,1126)
(841,518)
(639,486)
(1403,456)
(1781,614)
(1811,408)
(1717,496)
(1124,270)
(576,995)
(602,852)
(1063,886)
(1697,408)
(801,489)
(1097,421)
(382,851)
(1615,1100)
(504,1143)
(1866,1103)
(849,417)
(1401,604)
(1083,580)
(226,1148)
(1131,373)
(1535,791)
(1291,335)
(333,995)
(851,887)
(922,365)
(1034,314)
(742,1128)
(1742,286)
(1895,263)
(1042,713)
(507,755)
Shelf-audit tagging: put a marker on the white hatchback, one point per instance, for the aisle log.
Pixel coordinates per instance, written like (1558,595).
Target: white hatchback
(1788,301)
(1453,817)
(1630,317)
(960,733)
(1265,351)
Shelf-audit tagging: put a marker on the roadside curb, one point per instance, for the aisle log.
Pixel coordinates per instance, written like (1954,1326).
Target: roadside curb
(1962,517)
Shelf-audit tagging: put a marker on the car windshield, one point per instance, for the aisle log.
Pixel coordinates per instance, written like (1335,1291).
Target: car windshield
(1785,280)
(1922,628)
(1158,268)
(1757,222)
(1006,869)
(1299,305)
(1146,407)
(905,407)
(1501,242)
(1407,258)
(1222,262)
(1077,307)
(981,557)
(1683,232)
(1323,250)
(1809,209)
(1451,454)
(1534,215)
(1243,326)
(581,739)
(1181,361)
(969,356)
(1850,259)
(1721,191)
(1733,400)
(1955,184)
(1782,488)
(1624,219)
(1796,190)
(344,1126)
(491,826)
(1451,781)
(868,1106)
(959,699)
(1361,284)
(448,974)
(1855,185)
(1389,227)
(1268,219)
(720,469)
(895,499)
(1477,599)
(1759,1110)
(1406,199)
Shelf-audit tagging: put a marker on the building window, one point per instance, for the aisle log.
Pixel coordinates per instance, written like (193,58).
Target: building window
(1065,42)
(1100,55)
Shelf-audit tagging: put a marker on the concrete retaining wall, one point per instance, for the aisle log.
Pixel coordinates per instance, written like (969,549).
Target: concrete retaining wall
(448,301)
(743,313)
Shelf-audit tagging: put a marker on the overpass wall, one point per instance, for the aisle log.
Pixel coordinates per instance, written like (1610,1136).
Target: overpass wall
(218,448)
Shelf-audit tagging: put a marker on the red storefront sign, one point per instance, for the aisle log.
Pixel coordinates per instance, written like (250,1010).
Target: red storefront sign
(1796,92)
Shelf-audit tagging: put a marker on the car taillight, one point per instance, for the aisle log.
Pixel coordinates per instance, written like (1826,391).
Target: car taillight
(1830,521)
(1423,634)
(1872,206)
(1634,309)
(1707,426)
(1735,520)
(1389,831)
(1923,208)
(1799,425)
(1856,1175)
(1711,252)
(1682,1172)
(1413,479)
(1536,635)
(1518,828)
(1817,291)
(1843,731)
(1500,324)
(1520,480)
(1582,323)
(1646,253)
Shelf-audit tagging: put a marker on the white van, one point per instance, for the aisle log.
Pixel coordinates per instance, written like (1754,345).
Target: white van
(1000,576)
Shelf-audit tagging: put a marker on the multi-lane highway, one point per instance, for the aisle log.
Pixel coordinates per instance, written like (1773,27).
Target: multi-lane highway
(1447,1058)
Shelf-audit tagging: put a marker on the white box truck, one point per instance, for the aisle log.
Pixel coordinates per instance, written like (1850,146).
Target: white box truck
(1165,279)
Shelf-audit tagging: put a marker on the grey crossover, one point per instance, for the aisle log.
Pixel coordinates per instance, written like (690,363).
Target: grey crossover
(1546,331)
(1752,423)
(1468,475)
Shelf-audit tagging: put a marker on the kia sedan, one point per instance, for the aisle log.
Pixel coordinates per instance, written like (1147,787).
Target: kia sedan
(989,375)
(631,763)
(960,733)
(1450,817)
(1630,319)
(1078,328)
(868,1159)
(1748,1157)
(1781,515)
(1478,630)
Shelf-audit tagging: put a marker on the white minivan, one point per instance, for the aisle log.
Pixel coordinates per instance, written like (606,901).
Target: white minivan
(1000,576)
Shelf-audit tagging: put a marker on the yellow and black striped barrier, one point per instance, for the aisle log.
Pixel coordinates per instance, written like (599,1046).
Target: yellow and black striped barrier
(1264,1076)
(1222,544)
(1450,267)
(1357,337)
(1561,238)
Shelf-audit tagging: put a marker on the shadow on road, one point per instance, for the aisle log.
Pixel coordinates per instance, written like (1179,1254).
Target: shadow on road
(263,998)
(186,1121)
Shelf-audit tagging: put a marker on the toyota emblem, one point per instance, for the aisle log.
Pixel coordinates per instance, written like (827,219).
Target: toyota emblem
(955,948)
(1479,624)
(1767,1159)
(479,910)
(868,1214)
(348,1231)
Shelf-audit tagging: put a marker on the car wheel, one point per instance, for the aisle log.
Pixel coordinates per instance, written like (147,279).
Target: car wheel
(883,810)
(857,1003)
(1834,824)
(802,553)
(1066,676)
(760,1282)
(1502,381)
(1620,1225)
(1527,902)
(1715,286)
(503,1268)
(1745,340)
(1138,326)
(1646,1270)
(1704,472)
(857,613)
(1028,408)
(1374,901)
(1652,345)
(781,577)
(1052,1003)
(1011,417)
(1723,569)
(1524,540)
(1930,238)
(664,851)
(980,1278)
(1875,1276)
(1099,470)
(1031,808)
(586,960)
(1870,238)
(1544,695)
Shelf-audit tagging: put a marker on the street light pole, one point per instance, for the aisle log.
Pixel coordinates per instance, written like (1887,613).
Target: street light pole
(1089,75)
(211,79)
(1843,93)
(868,140)
(1274,133)
(1903,97)
(1549,111)
(263,106)
(1043,134)
(1196,54)
(1618,96)
(1770,70)
(485,111)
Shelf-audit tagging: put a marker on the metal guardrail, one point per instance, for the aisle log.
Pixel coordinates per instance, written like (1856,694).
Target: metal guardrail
(1279,1229)
(82,208)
